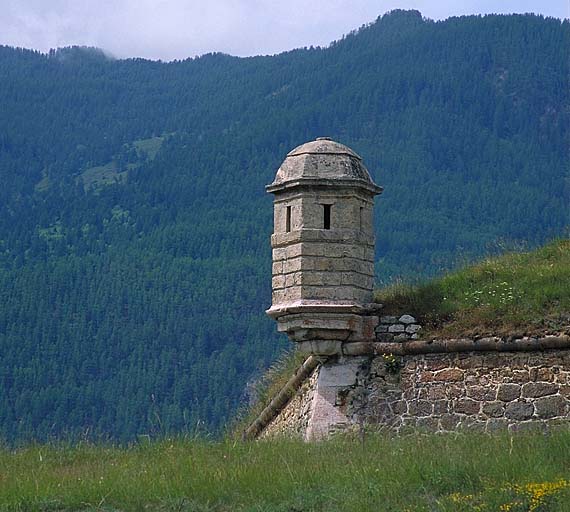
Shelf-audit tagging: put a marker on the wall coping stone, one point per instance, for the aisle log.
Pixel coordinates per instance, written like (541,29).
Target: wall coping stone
(438,346)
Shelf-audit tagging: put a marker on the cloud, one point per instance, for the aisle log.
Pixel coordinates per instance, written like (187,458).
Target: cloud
(169,29)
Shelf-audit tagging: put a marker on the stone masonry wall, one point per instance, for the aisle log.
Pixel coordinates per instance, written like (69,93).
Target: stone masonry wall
(392,328)
(483,391)
(293,420)
(447,392)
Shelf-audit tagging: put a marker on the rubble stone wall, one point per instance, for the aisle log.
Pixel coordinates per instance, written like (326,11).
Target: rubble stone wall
(294,419)
(483,391)
(447,392)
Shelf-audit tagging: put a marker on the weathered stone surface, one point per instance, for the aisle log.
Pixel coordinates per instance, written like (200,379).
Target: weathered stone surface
(519,411)
(420,407)
(396,328)
(449,421)
(494,409)
(449,375)
(479,396)
(340,374)
(413,328)
(440,407)
(407,319)
(551,406)
(436,392)
(546,374)
(538,389)
(388,319)
(400,407)
(508,392)
(435,363)
(482,393)
(466,406)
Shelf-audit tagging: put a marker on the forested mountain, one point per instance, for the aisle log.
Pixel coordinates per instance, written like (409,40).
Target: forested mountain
(134,226)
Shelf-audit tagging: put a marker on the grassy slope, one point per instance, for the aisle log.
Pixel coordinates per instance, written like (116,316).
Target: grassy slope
(516,293)
(531,472)
(415,473)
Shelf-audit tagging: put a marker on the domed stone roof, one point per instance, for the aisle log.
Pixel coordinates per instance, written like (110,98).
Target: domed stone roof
(322,162)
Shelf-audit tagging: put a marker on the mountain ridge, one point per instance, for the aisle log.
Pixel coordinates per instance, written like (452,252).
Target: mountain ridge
(135,305)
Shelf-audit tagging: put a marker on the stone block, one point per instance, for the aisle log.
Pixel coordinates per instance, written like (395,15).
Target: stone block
(399,407)
(413,328)
(520,376)
(320,347)
(396,328)
(278,282)
(493,409)
(547,374)
(426,376)
(436,392)
(385,337)
(455,390)
(538,389)
(508,392)
(450,375)
(381,328)
(331,249)
(482,393)
(551,406)
(388,319)
(435,362)
(314,278)
(407,319)
(519,411)
(420,408)
(292,265)
(339,374)
(356,279)
(466,406)
(470,361)
(449,422)
(440,407)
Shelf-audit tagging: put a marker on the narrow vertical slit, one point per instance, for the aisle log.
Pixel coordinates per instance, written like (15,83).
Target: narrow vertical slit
(327,216)
(288,220)
(361,217)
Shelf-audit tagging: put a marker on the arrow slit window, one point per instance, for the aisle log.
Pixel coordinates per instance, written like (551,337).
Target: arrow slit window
(327,216)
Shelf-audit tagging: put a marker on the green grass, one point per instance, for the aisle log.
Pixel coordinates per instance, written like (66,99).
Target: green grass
(414,473)
(149,146)
(516,293)
(102,175)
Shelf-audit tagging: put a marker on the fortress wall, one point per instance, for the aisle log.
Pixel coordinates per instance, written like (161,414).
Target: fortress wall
(293,420)
(447,392)
(483,391)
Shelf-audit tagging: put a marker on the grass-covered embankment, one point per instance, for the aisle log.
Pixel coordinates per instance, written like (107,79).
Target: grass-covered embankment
(414,473)
(516,293)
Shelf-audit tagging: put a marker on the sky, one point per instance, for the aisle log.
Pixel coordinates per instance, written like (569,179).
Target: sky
(177,29)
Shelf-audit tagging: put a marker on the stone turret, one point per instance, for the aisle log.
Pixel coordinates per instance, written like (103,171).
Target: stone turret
(323,247)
